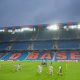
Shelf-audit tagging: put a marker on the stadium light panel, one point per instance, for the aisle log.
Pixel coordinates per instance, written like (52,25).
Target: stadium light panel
(26,29)
(78,26)
(10,31)
(65,27)
(2,30)
(53,27)
(73,26)
(17,30)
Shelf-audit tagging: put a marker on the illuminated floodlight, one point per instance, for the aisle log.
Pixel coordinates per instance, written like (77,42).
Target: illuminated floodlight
(10,30)
(78,26)
(53,27)
(17,30)
(2,30)
(26,29)
(65,27)
(73,26)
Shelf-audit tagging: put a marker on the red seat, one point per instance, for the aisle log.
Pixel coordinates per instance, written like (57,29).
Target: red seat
(61,55)
(75,55)
(33,55)
(15,56)
(46,55)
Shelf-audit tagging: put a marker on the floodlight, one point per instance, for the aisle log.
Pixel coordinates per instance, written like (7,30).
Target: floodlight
(53,27)
(26,29)
(2,30)
(65,27)
(72,26)
(10,30)
(78,26)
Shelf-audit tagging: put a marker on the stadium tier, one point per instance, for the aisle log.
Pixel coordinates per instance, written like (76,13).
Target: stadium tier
(40,45)
(40,38)
(54,56)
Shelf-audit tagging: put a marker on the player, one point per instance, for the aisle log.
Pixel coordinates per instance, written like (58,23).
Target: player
(18,67)
(50,69)
(44,62)
(39,69)
(60,70)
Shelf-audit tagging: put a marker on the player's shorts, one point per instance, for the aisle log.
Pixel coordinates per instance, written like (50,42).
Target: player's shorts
(51,71)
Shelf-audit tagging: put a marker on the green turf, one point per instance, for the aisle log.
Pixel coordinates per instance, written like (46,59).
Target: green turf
(71,71)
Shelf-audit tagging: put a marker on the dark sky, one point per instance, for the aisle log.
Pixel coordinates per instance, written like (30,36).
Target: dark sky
(27,12)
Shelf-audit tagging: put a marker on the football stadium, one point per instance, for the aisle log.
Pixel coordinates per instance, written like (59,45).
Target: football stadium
(26,52)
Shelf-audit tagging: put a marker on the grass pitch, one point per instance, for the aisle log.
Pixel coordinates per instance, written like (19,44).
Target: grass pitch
(71,71)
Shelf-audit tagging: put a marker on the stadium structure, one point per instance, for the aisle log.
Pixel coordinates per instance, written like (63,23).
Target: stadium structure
(57,42)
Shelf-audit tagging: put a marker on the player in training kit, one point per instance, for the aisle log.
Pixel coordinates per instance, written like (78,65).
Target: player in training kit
(39,69)
(18,67)
(51,69)
(60,70)
(44,62)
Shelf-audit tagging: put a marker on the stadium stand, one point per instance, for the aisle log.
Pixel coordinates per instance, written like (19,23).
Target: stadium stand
(15,56)
(40,56)
(3,46)
(42,45)
(63,44)
(20,45)
(68,44)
